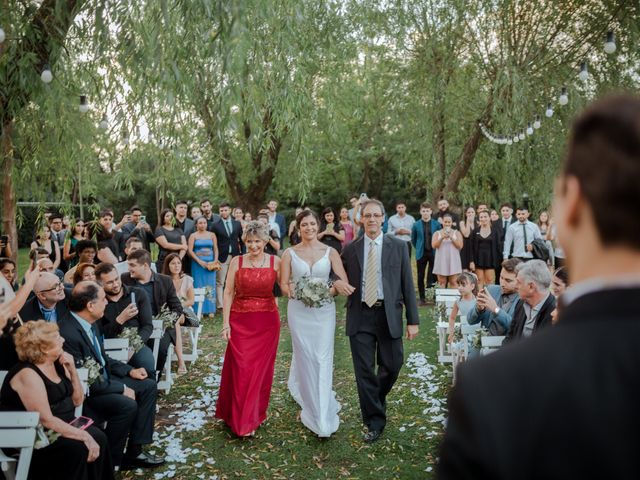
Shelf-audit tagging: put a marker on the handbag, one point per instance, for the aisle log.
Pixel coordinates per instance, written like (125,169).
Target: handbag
(190,317)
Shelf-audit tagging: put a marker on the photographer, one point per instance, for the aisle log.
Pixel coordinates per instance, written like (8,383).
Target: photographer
(5,247)
(138,227)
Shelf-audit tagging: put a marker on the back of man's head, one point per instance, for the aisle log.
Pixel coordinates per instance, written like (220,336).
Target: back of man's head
(83,293)
(140,256)
(603,154)
(535,271)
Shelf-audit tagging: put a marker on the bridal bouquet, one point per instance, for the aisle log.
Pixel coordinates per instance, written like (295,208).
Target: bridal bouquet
(93,370)
(313,292)
(135,341)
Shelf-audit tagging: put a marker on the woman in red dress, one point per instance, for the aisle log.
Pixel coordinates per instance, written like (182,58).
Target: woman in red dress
(251,325)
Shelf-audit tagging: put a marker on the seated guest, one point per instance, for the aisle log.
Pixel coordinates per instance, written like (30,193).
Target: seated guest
(131,245)
(160,290)
(41,258)
(8,271)
(86,251)
(46,381)
(84,271)
(533,311)
(48,303)
(123,396)
(559,284)
(127,307)
(496,303)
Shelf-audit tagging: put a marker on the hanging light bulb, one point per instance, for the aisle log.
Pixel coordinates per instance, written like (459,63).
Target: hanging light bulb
(46,76)
(536,122)
(509,141)
(84,105)
(529,129)
(104,123)
(549,112)
(610,43)
(2,35)
(516,139)
(563,99)
(584,72)
(522,135)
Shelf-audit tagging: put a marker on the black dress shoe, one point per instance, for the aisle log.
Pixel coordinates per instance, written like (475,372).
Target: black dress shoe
(143,460)
(372,436)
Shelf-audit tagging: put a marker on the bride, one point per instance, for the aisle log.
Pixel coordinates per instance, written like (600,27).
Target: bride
(312,329)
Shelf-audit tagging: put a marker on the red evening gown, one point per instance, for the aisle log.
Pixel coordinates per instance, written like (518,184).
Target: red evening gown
(247,371)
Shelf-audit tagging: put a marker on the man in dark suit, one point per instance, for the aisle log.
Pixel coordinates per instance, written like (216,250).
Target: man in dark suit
(421,234)
(378,267)
(138,227)
(564,403)
(501,225)
(205,207)
(160,290)
(48,302)
(278,219)
(122,395)
(228,231)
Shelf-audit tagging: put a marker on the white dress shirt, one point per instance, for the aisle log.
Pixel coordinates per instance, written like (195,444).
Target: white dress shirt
(515,236)
(396,222)
(377,242)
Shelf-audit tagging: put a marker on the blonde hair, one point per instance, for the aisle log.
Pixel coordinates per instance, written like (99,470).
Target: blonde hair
(33,338)
(256,228)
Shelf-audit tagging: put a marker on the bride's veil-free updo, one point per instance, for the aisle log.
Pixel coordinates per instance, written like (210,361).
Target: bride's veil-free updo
(304,214)
(257,229)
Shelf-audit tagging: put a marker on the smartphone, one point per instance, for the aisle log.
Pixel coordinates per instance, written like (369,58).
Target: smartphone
(329,227)
(81,422)
(143,218)
(4,239)
(363,196)
(133,297)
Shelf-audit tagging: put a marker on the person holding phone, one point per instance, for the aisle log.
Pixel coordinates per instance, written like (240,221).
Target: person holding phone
(46,381)
(447,243)
(5,247)
(331,232)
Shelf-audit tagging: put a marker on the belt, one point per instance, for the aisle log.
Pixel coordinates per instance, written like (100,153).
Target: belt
(378,304)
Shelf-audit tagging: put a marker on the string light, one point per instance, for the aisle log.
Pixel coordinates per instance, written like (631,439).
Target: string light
(549,112)
(563,99)
(529,129)
(2,35)
(536,122)
(584,72)
(610,43)
(104,123)
(46,76)
(84,106)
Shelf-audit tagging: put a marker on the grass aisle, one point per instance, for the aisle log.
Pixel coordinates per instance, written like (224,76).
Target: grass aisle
(199,447)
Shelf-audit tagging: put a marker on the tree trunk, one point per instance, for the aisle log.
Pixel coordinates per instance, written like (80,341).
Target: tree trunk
(9,208)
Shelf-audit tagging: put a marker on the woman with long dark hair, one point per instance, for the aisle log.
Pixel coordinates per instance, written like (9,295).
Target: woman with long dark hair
(331,232)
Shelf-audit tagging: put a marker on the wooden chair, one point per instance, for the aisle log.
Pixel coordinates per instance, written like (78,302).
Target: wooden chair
(166,379)
(17,430)
(117,348)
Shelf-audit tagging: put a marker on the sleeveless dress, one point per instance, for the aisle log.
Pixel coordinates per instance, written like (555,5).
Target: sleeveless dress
(247,371)
(203,277)
(447,261)
(74,452)
(312,335)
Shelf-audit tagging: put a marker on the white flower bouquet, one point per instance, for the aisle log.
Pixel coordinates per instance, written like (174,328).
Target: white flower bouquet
(94,370)
(312,292)
(168,317)
(135,341)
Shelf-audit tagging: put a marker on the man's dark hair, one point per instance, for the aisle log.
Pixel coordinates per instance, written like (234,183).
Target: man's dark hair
(426,205)
(131,240)
(508,205)
(522,208)
(105,213)
(83,245)
(224,204)
(603,154)
(83,293)
(104,268)
(204,200)
(136,208)
(140,256)
(400,202)
(511,264)
(182,202)
(54,216)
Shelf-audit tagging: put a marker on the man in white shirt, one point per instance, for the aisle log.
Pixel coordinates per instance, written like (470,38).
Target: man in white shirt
(520,235)
(400,224)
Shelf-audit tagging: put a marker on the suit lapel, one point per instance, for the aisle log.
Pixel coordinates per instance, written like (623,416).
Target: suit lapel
(360,252)
(86,340)
(386,248)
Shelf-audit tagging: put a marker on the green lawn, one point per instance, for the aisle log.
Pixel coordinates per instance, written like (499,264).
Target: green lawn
(283,447)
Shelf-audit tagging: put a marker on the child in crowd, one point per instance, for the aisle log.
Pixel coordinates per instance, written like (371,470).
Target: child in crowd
(468,288)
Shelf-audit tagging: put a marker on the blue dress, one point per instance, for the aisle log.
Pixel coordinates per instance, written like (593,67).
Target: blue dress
(203,277)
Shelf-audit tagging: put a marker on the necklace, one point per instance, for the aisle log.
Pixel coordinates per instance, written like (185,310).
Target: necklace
(264,257)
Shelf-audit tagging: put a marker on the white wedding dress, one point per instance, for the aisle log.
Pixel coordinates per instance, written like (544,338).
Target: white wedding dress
(312,335)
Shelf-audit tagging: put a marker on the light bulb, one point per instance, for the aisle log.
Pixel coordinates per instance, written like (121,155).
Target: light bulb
(125,139)
(516,139)
(610,43)
(563,99)
(536,122)
(529,129)
(84,106)
(104,123)
(521,135)
(234,109)
(584,72)
(549,112)
(509,141)
(2,35)
(46,76)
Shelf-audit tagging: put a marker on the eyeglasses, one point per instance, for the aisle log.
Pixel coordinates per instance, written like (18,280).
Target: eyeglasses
(57,286)
(372,215)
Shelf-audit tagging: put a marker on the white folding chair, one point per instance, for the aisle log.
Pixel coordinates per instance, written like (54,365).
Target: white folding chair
(17,430)
(194,332)
(446,297)
(166,379)
(117,348)
(491,344)
(83,375)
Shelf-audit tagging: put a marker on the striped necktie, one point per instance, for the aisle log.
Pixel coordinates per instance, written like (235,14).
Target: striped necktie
(371,277)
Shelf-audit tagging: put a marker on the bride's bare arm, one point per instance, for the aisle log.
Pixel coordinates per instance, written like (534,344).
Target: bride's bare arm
(341,285)
(285,273)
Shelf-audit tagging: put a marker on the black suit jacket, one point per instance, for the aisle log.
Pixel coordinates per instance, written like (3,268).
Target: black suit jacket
(78,344)
(31,309)
(224,239)
(143,321)
(163,292)
(561,404)
(397,284)
(519,318)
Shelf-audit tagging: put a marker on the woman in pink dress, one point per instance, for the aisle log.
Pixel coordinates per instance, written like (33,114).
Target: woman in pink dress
(347,226)
(447,244)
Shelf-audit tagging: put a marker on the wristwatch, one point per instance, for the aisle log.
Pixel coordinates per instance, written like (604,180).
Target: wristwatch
(496,310)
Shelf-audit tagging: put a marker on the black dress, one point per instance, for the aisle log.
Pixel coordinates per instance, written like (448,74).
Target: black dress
(485,250)
(172,236)
(47,462)
(330,240)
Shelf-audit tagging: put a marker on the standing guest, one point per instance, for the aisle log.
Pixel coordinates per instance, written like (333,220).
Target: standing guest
(161,292)
(84,272)
(9,272)
(203,249)
(251,326)
(331,232)
(294,233)
(276,220)
(482,207)
(127,307)
(421,236)
(467,225)
(169,238)
(379,268)
(248,217)
(273,245)
(468,288)
(182,221)
(533,311)
(77,234)
(44,240)
(520,235)
(48,302)
(5,247)
(494,215)
(400,224)
(503,223)
(447,243)
(485,251)
(496,303)
(46,381)
(544,224)
(183,284)
(228,233)
(132,244)
(123,396)
(556,249)
(238,215)
(347,225)
(138,227)
(58,235)
(207,213)
(86,251)
(443,209)
(110,242)
(353,201)
(195,213)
